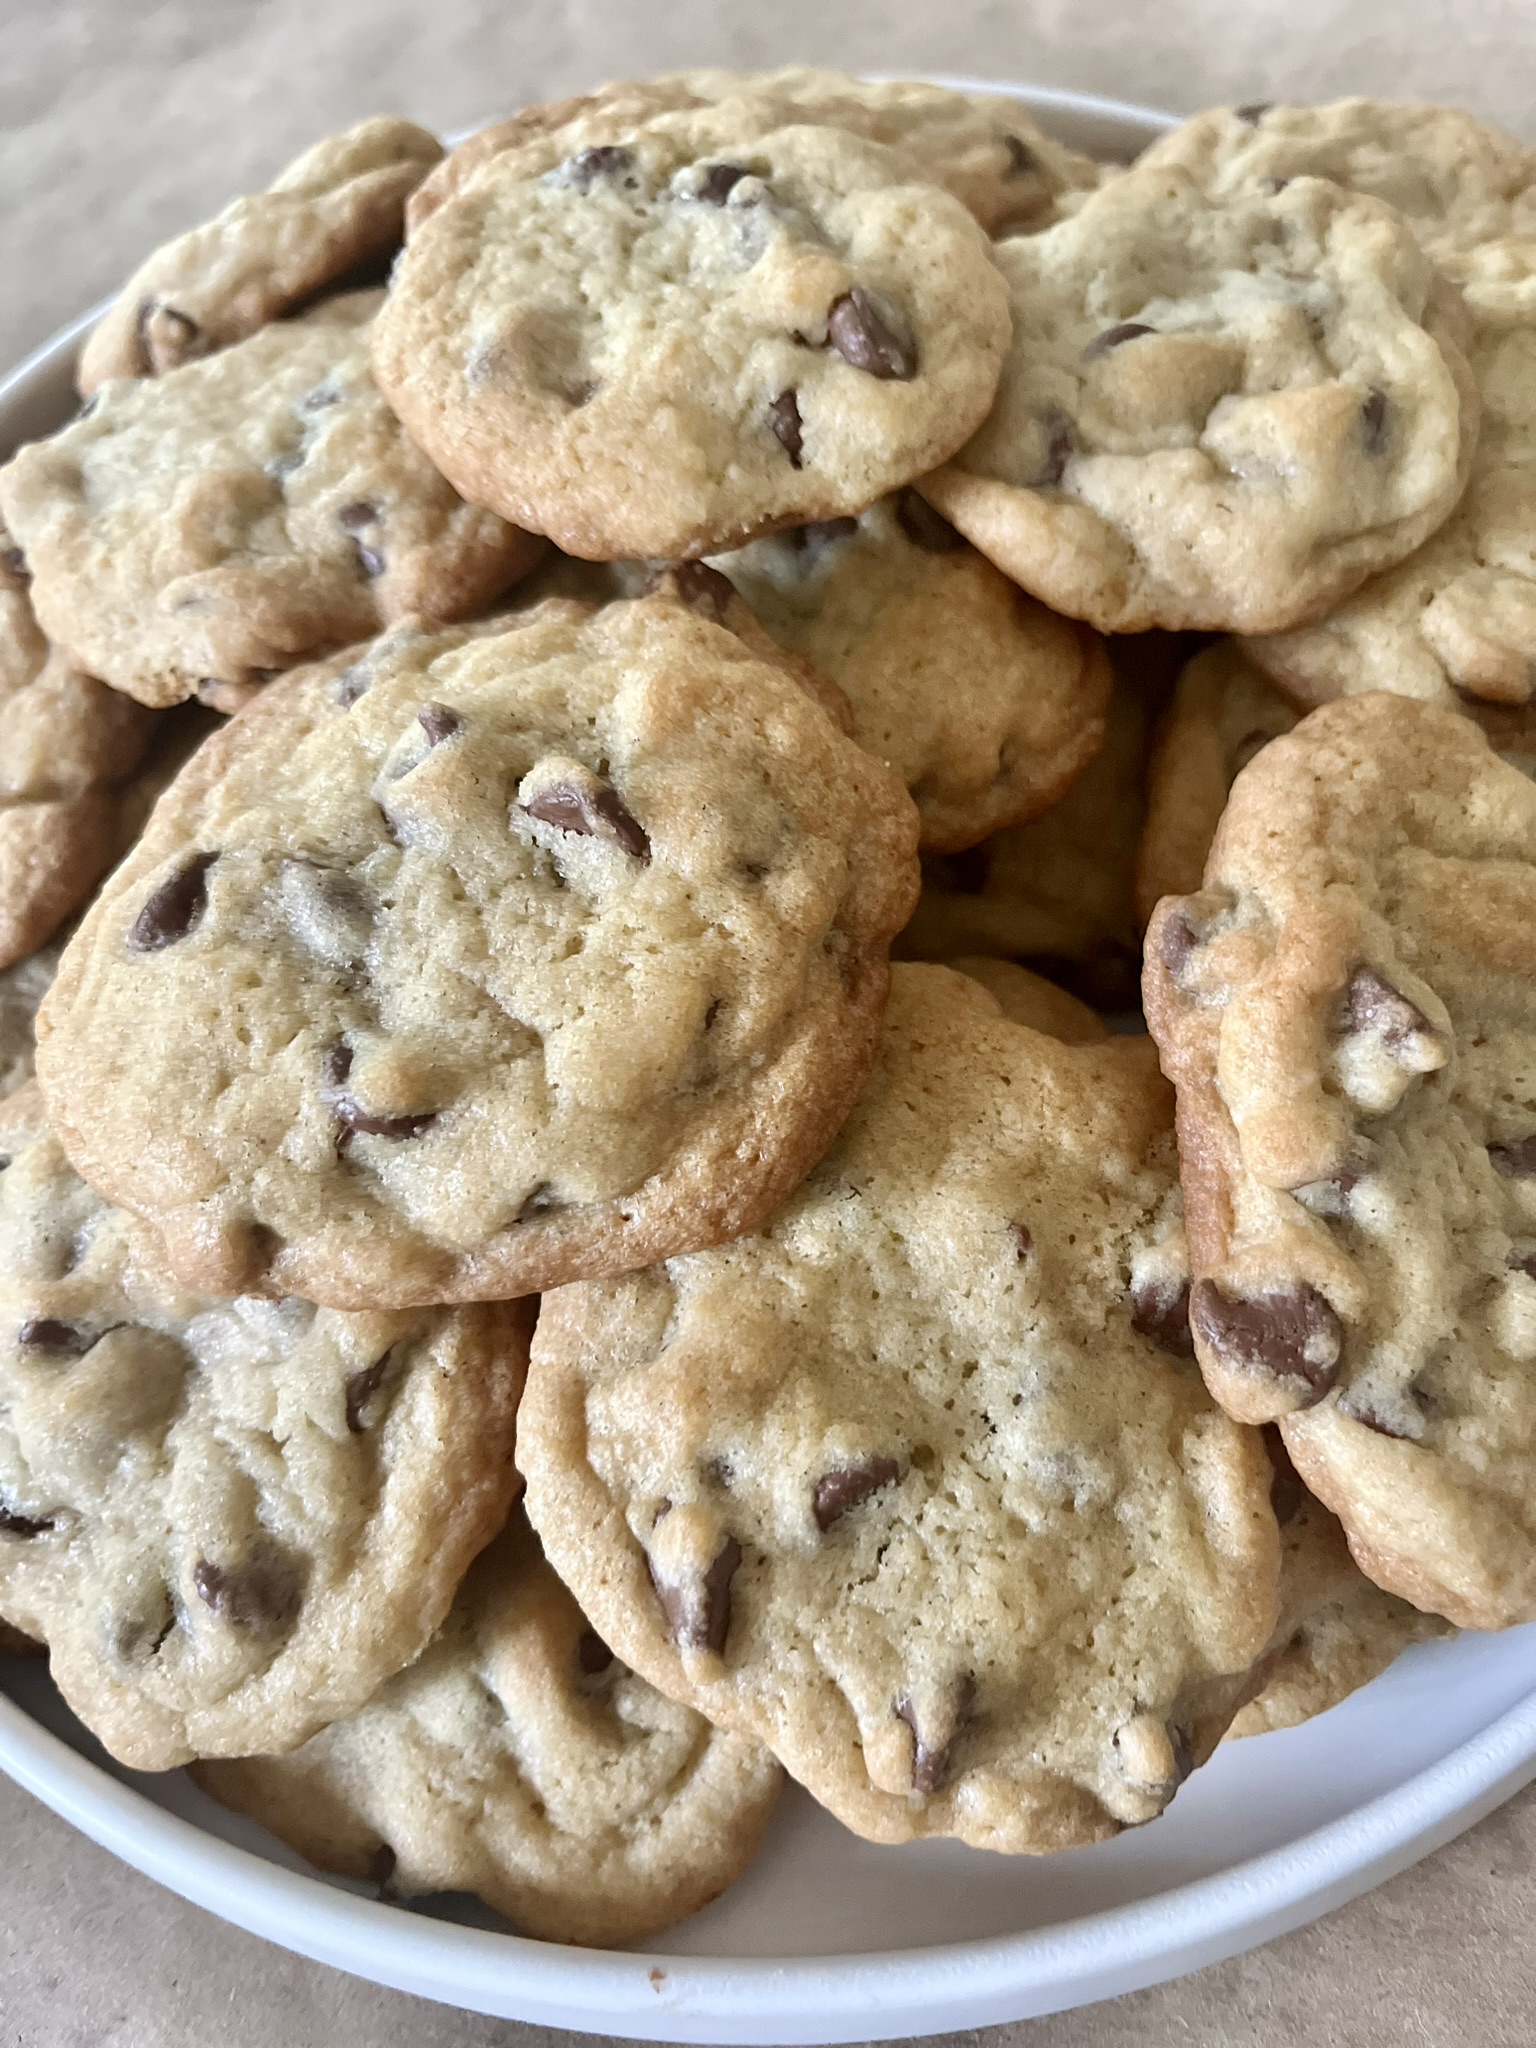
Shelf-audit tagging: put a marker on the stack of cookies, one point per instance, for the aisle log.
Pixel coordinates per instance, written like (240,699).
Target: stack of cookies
(517,1324)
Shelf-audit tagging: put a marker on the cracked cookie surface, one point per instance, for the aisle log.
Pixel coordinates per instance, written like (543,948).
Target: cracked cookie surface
(216,525)
(906,1485)
(1219,411)
(230,1520)
(662,347)
(518,1759)
(1346,1010)
(485,959)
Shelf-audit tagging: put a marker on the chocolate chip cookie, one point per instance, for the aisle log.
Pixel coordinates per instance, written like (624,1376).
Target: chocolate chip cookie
(1347,1012)
(22,988)
(1219,412)
(1223,712)
(230,1520)
(335,212)
(520,1760)
(220,523)
(485,959)
(918,1484)
(1030,999)
(1058,890)
(664,347)
(1337,1631)
(987,705)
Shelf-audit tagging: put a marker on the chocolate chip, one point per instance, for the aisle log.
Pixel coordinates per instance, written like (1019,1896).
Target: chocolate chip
(1023,1241)
(45,1333)
(14,1523)
(1160,1310)
(592,1653)
(1292,1335)
(438,722)
(719,181)
(264,1595)
(594,813)
(699,587)
(360,1389)
(588,165)
(924,527)
(354,517)
(1113,337)
(1058,451)
(349,1112)
(1516,1159)
(1022,160)
(1370,1417)
(1178,943)
(865,341)
(1373,421)
(784,418)
(1374,1005)
(173,910)
(699,1615)
(1286,1492)
(1252,112)
(931,1762)
(369,560)
(843,1488)
(381,1869)
(14,563)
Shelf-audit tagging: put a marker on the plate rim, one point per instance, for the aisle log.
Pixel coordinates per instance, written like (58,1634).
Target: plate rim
(899,1993)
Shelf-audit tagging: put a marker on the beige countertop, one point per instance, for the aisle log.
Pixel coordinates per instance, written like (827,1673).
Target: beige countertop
(123,120)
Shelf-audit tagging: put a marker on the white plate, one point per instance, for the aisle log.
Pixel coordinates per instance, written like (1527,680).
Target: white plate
(828,1938)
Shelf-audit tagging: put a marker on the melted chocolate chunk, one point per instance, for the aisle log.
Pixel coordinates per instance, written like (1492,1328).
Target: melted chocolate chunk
(699,587)
(173,910)
(932,1762)
(1286,1492)
(1160,1310)
(607,161)
(354,517)
(865,341)
(1023,1240)
(926,528)
(438,722)
(14,1523)
(1373,421)
(45,1333)
(1292,1336)
(1375,1006)
(381,1870)
(1114,337)
(846,1486)
(788,427)
(699,1615)
(595,814)
(349,1112)
(263,1596)
(719,181)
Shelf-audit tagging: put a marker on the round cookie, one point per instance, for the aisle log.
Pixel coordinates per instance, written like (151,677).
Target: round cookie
(485,959)
(230,1520)
(1218,412)
(231,518)
(1337,1631)
(1348,1011)
(519,1760)
(665,347)
(335,211)
(905,1485)
(1058,890)
(987,705)
(1026,998)
(1223,712)
(22,988)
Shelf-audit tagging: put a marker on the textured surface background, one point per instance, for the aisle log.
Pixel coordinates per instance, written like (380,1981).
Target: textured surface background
(122,121)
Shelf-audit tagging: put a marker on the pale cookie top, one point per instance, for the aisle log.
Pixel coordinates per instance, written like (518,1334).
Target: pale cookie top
(231,518)
(22,988)
(1217,412)
(1336,1631)
(337,209)
(1348,1010)
(666,346)
(230,1520)
(520,1760)
(490,958)
(986,704)
(1030,999)
(906,1484)
(1223,712)
(1466,189)
(1459,616)
(1059,889)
